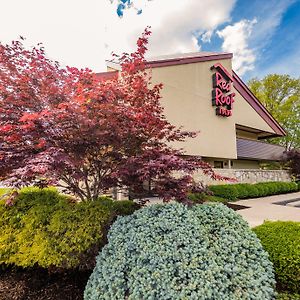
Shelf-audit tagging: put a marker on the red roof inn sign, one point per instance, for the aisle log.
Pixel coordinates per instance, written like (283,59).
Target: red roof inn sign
(222,97)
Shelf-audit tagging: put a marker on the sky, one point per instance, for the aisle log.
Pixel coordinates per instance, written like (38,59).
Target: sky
(264,36)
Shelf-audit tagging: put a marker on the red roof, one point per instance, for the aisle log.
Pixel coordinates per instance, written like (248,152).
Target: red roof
(178,59)
(186,58)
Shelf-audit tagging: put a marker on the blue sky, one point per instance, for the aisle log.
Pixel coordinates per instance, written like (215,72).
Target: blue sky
(273,38)
(264,35)
(277,45)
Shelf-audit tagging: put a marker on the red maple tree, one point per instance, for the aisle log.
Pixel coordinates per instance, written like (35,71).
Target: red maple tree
(67,127)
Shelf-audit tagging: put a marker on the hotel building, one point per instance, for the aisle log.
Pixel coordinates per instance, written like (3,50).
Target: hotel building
(202,93)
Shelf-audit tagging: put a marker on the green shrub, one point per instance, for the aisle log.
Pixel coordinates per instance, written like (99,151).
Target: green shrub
(197,197)
(227,191)
(45,228)
(215,199)
(245,190)
(3,191)
(282,241)
(287,296)
(263,189)
(283,187)
(175,252)
(123,208)
(202,197)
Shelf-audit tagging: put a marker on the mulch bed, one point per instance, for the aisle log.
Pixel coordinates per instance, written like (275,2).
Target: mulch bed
(37,284)
(236,206)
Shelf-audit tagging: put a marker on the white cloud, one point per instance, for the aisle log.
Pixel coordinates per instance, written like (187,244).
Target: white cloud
(206,36)
(236,40)
(83,33)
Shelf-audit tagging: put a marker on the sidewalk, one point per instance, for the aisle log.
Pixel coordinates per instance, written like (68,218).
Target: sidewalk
(261,209)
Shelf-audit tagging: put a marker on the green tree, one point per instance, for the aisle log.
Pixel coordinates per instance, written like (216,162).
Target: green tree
(280,94)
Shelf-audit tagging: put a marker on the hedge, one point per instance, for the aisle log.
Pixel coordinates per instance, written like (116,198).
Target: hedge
(44,228)
(177,252)
(282,241)
(246,190)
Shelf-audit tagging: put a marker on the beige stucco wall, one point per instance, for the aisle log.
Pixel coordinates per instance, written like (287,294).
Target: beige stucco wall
(187,99)
(245,164)
(244,114)
(109,69)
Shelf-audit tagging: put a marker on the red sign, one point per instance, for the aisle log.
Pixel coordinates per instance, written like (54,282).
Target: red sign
(221,96)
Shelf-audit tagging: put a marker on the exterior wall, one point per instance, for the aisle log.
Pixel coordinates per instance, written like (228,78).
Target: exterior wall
(245,164)
(234,164)
(246,176)
(109,69)
(187,99)
(244,114)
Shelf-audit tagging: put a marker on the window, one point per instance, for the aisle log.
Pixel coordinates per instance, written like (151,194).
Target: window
(218,164)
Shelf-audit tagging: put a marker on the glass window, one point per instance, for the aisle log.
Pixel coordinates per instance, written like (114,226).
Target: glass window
(218,164)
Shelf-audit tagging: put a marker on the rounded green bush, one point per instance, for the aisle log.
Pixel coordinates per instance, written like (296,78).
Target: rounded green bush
(174,252)
(282,241)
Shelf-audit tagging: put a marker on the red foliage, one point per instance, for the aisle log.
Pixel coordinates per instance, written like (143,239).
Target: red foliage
(64,126)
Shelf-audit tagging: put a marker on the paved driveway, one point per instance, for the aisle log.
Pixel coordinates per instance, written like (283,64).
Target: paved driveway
(261,209)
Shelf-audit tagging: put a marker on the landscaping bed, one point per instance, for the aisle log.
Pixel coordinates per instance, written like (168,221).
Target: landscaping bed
(37,284)
(235,207)
(51,242)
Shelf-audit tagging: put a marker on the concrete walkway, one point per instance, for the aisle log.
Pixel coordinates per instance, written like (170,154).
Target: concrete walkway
(261,209)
